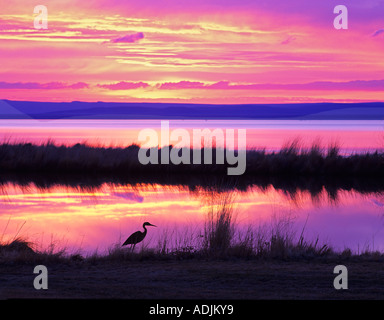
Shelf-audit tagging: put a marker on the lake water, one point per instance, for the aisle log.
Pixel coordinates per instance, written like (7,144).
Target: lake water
(95,219)
(351,135)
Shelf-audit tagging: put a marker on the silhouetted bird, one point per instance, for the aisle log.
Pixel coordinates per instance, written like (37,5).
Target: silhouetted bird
(137,236)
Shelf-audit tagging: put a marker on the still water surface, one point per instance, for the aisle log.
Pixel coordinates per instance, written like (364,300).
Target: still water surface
(350,136)
(98,218)
(95,220)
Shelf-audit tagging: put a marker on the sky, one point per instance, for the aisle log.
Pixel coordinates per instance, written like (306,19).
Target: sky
(201,51)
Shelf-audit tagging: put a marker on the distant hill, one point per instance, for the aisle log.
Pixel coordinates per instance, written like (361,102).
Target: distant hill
(111,110)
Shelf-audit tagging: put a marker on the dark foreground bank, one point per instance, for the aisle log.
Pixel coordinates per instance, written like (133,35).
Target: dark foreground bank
(195,279)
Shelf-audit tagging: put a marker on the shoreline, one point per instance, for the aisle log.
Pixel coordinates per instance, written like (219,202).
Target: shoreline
(291,161)
(188,279)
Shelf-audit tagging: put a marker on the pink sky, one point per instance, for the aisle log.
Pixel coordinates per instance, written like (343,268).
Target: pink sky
(207,51)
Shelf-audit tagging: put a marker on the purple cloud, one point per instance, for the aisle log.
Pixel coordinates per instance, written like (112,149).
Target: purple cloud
(181,85)
(377,202)
(130,38)
(129,196)
(288,40)
(79,85)
(364,85)
(124,85)
(378,32)
(42,86)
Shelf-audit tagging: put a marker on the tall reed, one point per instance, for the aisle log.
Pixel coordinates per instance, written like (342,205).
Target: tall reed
(219,226)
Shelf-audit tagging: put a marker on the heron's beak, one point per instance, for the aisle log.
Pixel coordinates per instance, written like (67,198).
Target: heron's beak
(153,225)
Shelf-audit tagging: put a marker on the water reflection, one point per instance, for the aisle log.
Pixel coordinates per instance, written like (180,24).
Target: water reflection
(291,186)
(90,218)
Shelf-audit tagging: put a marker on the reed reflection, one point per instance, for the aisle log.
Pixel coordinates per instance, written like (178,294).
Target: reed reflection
(217,217)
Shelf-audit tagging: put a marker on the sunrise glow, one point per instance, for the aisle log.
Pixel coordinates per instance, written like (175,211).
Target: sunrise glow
(191,51)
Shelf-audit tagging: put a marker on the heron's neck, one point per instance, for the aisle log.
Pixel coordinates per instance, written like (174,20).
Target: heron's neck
(145,230)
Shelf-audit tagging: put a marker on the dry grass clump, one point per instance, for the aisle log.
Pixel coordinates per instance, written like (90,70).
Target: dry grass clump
(219,227)
(21,250)
(17,248)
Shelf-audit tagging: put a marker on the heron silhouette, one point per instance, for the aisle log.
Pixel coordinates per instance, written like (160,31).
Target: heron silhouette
(137,236)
